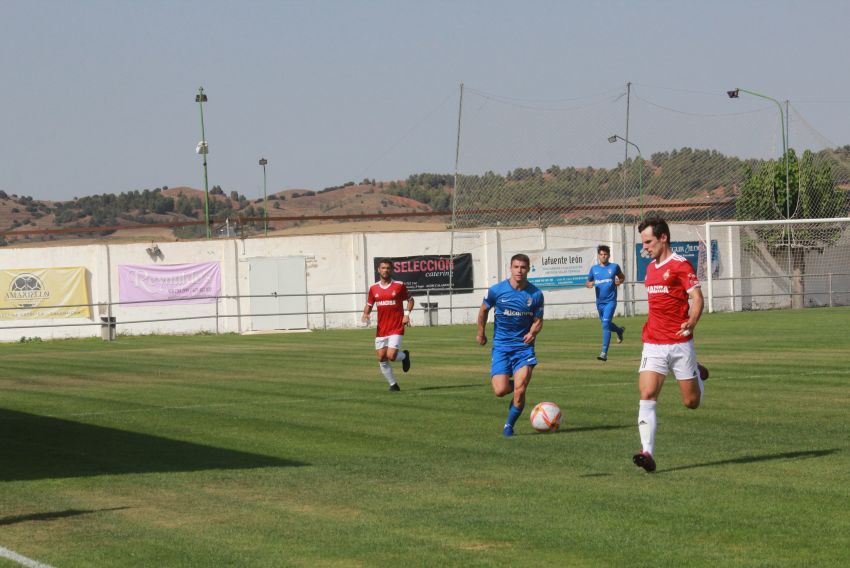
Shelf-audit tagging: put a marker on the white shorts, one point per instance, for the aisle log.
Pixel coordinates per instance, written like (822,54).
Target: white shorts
(391,341)
(681,358)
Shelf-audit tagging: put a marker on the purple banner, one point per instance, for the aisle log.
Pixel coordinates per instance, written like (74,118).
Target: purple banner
(169,284)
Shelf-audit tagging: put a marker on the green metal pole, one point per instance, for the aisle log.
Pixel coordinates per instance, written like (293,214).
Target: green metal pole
(201,98)
(265,204)
(784,147)
(640,183)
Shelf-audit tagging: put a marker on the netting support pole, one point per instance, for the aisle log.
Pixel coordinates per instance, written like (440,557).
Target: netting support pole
(708,268)
(454,212)
(624,247)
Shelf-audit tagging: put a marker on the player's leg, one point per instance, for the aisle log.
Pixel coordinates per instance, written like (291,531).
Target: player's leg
(522,377)
(606,316)
(653,369)
(522,366)
(689,376)
(381,350)
(500,373)
(502,385)
(396,353)
(606,333)
(614,327)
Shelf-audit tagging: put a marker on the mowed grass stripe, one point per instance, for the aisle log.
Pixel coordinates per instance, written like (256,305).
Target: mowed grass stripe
(286,450)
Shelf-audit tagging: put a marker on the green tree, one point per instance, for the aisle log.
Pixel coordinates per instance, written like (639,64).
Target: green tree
(810,193)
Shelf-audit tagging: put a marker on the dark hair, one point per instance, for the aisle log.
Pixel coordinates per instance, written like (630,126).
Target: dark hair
(603,248)
(384,261)
(659,227)
(523,257)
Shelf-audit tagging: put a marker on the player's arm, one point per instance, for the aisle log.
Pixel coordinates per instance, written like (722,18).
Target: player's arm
(408,311)
(483,312)
(536,326)
(620,277)
(589,283)
(694,313)
(367,313)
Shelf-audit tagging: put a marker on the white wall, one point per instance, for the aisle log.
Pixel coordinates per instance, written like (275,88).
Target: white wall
(339,272)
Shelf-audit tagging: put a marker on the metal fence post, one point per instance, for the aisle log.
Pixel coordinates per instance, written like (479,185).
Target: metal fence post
(324,314)
(830,288)
(216,315)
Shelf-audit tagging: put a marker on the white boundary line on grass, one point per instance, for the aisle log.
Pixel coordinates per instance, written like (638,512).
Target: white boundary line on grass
(22,560)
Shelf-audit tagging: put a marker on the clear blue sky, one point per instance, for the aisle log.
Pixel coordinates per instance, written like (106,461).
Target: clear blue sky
(98,96)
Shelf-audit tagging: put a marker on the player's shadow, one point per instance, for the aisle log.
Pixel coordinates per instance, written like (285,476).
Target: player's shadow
(52,515)
(578,429)
(39,447)
(478,385)
(807,454)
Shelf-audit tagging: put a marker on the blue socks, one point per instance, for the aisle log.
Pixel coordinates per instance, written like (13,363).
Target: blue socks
(513,414)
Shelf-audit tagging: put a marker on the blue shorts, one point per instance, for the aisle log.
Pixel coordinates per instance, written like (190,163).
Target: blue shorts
(508,362)
(606,311)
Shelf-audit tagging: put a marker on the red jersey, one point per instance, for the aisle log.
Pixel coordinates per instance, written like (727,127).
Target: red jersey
(390,302)
(667,287)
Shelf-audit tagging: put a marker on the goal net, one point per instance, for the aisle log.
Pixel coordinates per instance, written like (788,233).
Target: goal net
(759,265)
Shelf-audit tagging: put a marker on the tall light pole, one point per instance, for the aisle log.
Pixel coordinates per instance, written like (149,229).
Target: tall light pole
(263,163)
(613,138)
(203,149)
(734,95)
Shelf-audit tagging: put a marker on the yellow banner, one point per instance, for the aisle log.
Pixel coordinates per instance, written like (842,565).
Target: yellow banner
(44,293)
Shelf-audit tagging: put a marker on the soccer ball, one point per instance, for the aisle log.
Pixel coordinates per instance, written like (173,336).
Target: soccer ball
(546,417)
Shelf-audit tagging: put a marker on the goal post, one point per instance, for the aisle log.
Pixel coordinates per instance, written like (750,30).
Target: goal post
(778,264)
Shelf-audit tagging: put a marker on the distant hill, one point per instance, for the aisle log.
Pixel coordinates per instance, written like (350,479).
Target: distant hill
(671,182)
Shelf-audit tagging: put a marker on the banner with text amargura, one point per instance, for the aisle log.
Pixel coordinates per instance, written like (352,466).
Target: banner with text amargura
(560,268)
(167,284)
(44,293)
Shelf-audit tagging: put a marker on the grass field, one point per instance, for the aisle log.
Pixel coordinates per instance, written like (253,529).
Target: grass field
(287,450)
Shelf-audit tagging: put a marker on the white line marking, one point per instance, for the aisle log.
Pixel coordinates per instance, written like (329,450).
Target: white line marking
(22,560)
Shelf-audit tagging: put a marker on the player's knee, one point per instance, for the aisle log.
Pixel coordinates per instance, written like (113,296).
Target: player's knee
(692,402)
(392,357)
(501,391)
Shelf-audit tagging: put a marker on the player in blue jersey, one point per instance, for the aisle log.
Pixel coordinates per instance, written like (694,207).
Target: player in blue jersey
(519,318)
(606,277)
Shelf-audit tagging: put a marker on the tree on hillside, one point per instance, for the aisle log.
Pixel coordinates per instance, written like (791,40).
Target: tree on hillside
(810,193)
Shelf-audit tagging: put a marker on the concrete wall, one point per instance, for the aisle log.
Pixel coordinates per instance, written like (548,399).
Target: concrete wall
(339,271)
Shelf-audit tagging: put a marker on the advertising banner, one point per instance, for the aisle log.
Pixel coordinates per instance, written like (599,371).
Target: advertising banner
(560,268)
(694,251)
(44,293)
(169,284)
(431,272)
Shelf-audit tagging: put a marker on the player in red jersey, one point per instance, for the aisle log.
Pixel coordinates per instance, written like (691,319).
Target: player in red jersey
(668,341)
(389,295)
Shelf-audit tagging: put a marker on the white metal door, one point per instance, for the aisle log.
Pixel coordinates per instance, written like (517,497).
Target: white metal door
(278,293)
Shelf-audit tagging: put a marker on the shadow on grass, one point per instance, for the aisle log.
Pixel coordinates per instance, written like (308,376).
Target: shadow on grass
(38,447)
(809,454)
(479,385)
(578,429)
(52,515)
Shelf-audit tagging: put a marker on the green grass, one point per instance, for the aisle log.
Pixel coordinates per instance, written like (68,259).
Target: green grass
(286,450)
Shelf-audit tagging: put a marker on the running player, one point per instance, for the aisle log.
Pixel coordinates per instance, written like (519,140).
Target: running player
(668,335)
(606,277)
(518,320)
(389,295)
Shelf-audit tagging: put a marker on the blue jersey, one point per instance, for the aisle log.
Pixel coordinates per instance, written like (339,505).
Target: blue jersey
(603,281)
(515,311)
